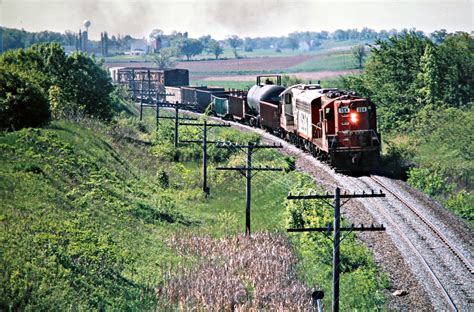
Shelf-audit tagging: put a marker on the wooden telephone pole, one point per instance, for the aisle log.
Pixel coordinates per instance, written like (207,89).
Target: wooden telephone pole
(204,128)
(336,228)
(248,172)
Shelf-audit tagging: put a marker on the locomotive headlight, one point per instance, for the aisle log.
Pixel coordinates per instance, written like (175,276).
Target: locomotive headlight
(354,118)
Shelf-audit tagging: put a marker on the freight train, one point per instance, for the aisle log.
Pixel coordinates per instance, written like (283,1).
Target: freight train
(335,126)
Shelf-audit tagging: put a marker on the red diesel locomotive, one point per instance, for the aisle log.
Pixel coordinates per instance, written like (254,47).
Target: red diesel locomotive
(334,126)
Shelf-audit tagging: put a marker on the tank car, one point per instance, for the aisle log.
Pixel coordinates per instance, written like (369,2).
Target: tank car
(264,102)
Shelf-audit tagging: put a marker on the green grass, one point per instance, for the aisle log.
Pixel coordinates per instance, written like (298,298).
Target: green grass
(242,85)
(327,61)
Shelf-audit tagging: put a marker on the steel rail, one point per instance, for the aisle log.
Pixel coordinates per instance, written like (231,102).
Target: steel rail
(432,227)
(435,278)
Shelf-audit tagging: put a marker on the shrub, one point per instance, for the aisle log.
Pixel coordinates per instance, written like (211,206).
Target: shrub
(22,104)
(76,85)
(429,180)
(462,204)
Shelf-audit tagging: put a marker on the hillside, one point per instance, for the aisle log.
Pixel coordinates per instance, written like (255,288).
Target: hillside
(90,216)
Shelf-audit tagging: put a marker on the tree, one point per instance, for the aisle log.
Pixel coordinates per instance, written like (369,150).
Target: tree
(155,33)
(428,77)
(164,58)
(216,48)
(359,54)
(293,42)
(22,102)
(76,83)
(249,44)
(438,36)
(206,43)
(390,79)
(234,42)
(456,67)
(190,47)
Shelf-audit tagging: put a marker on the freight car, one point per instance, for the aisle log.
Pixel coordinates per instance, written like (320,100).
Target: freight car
(230,106)
(263,101)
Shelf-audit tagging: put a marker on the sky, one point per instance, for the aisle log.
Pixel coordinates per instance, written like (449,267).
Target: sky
(220,18)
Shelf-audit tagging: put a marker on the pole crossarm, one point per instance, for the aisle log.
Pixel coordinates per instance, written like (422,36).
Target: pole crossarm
(197,141)
(250,168)
(371,228)
(202,125)
(336,229)
(310,196)
(179,118)
(256,146)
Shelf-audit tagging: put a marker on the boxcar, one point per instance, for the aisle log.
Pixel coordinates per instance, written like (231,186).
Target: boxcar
(175,77)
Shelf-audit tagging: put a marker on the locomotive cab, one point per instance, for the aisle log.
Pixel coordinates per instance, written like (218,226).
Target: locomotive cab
(349,133)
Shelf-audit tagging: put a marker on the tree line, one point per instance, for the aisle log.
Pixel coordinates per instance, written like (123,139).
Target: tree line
(424,91)
(308,40)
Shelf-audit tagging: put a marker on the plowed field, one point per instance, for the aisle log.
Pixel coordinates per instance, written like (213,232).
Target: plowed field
(249,64)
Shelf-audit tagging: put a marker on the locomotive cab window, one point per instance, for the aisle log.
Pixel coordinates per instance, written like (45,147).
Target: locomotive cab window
(288,98)
(344,110)
(362,109)
(329,113)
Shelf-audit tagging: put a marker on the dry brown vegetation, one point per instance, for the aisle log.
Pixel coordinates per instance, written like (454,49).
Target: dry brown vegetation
(236,274)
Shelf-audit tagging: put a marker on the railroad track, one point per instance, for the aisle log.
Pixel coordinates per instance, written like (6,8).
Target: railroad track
(438,233)
(430,269)
(437,279)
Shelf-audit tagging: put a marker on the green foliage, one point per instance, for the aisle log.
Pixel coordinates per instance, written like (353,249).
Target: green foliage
(456,68)
(429,180)
(216,48)
(360,280)
(80,221)
(407,72)
(235,42)
(288,80)
(189,47)
(75,85)
(164,58)
(359,54)
(22,104)
(462,203)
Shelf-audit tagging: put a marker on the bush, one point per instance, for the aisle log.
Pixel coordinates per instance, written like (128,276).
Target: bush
(462,204)
(76,85)
(22,104)
(429,180)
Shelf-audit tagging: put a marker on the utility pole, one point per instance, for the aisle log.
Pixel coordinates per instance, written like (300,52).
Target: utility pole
(337,230)
(203,127)
(141,100)
(176,117)
(247,173)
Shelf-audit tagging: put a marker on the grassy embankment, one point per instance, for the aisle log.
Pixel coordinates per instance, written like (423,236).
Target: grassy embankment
(87,210)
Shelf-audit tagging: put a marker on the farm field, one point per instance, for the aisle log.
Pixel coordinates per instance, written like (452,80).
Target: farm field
(330,60)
